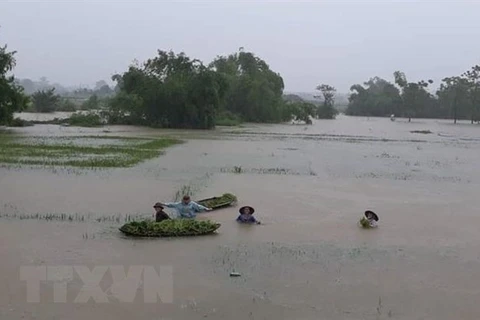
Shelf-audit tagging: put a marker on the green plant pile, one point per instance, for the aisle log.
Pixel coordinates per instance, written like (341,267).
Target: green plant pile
(226,198)
(364,223)
(170,228)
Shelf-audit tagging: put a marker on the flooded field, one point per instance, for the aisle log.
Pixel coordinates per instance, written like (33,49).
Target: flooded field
(309,186)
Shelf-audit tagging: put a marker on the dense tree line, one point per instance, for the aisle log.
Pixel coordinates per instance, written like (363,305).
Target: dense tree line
(12,98)
(456,98)
(173,90)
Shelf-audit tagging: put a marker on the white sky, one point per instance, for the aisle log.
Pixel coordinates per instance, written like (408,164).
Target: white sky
(307,42)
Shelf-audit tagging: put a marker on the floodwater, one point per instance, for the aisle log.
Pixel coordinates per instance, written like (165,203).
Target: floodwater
(309,260)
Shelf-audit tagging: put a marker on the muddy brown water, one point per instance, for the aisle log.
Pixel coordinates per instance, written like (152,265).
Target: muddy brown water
(309,260)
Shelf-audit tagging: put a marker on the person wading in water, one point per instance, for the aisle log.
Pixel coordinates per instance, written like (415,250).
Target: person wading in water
(159,214)
(186,208)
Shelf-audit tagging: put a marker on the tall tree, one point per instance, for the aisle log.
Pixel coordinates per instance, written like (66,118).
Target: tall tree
(453,94)
(377,97)
(472,78)
(327,109)
(170,90)
(414,95)
(45,100)
(254,90)
(12,98)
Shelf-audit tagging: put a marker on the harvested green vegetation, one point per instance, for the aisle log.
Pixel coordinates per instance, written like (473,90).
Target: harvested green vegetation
(80,151)
(364,223)
(217,202)
(169,228)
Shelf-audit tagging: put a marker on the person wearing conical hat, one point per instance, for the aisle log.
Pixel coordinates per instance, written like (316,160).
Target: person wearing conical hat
(159,214)
(372,218)
(246,215)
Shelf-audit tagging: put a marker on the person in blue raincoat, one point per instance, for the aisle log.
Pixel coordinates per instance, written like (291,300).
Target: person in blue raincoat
(186,208)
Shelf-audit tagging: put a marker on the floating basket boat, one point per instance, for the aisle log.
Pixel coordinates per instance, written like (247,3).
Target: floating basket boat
(226,200)
(169,228)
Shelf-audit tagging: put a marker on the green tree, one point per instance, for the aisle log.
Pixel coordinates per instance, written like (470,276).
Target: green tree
(45,100)
(12,98)
(378,98)
(301,111)
(327,109)
(414,95)
(472,79)
(170,90)
(91,103)
(453,97)
(254,91)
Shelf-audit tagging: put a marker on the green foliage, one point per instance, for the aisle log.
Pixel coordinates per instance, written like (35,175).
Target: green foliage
(45,100)
(472,80)
(301,111)
(225,199)
(364,223)
(92,103)
(378,98)
(170,228)
(12,98)
(170,90)
(66,105)
(227,118)
(253,91)
(85,120)
(326,112)
(415,97)
(327,109)
(453,97)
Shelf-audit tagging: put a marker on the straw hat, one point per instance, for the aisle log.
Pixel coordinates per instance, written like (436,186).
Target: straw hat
(243,208)
(375,217)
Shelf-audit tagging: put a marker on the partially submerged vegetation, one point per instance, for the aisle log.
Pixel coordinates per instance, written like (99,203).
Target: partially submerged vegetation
(169,228)
(225,200)
(72,217)
(457,97)
(89,119)
(85,120)
(422,131)
(80,151)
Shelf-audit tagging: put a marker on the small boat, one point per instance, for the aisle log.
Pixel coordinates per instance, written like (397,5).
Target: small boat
(215,203)
(169,228)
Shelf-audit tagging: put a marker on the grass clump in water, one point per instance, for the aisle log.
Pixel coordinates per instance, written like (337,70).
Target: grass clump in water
(169,228)
(70,152)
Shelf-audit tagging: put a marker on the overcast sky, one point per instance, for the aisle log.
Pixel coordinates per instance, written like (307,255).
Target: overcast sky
(307,42)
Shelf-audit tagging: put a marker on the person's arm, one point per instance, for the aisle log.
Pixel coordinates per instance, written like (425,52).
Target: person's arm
(171,204)
(199,207)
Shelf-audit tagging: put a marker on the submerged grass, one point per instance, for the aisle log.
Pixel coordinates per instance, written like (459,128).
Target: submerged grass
(51,151)
(116,218)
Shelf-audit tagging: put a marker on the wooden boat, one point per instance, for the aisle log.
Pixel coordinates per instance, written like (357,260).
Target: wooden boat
(216,203)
